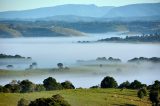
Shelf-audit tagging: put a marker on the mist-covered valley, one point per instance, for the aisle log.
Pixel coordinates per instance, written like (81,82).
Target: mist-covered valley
(79,59)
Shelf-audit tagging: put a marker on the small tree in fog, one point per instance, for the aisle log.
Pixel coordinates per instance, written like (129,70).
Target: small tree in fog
(60,65)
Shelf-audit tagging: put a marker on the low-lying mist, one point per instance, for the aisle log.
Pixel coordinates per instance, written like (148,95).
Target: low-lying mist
(89,74)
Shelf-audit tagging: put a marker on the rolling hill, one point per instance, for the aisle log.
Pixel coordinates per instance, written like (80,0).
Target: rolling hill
(11,31)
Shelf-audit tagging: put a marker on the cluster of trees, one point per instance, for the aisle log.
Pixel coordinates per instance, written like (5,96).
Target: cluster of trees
(110,59)
(154,89)
(144,59)
(145,38)
(55,100)
(15,56)
(28,86)
(10,56)
(110,82)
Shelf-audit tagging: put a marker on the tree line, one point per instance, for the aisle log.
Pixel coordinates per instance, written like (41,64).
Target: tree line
(25,86)
(145,38)
(50,83)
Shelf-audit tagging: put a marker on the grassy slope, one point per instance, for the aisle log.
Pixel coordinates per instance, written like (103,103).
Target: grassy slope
(34,30)
(82,97)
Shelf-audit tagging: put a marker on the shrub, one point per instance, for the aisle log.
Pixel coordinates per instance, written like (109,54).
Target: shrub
(96,86)
(140,94)
(23,102)
(55,100)
(108,82)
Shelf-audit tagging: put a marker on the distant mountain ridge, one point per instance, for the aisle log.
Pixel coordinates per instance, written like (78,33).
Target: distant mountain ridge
(85,12)
(135,10)
(68,9)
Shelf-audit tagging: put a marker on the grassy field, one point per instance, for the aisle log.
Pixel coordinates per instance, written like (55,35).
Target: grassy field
(82,97)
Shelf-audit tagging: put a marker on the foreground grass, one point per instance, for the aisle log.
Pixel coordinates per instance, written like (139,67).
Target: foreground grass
(82,97)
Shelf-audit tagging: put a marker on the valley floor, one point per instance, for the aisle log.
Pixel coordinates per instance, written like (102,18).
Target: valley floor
(82,97)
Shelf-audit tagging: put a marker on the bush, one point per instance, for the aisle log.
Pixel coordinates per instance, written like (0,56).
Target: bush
(55,100)
(23,102)
(67,85)
(96,86)
(108,82)
(140,94)
(51,84)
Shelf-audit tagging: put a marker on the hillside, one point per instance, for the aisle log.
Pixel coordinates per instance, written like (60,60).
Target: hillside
(11,31)
(82,97)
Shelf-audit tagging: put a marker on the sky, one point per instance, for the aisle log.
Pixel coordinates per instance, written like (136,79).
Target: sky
(11,5)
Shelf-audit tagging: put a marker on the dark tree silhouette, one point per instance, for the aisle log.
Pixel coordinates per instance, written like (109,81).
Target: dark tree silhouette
(108,82)
(51,84)
(60,65)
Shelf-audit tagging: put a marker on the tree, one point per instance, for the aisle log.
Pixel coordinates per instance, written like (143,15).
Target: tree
(51,84)
(9,66)
(108,82)
(40,87)
(23,102)
(55,100)
(60,65)
(124,85)
(154,94)
(1,88)
(11,88)
(34,65)
(27,86)
(156,85)
(136,84)
(67,85)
